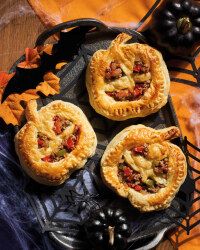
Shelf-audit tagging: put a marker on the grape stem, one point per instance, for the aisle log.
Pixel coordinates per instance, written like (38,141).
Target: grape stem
(111,235)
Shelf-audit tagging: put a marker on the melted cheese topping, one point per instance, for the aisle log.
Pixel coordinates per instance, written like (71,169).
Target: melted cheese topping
(142,77)
(55,141)
(142,162)
(145,166)
(157,152)
(128,81)
(122,83)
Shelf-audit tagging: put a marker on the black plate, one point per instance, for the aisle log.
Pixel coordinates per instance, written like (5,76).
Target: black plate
(62,210)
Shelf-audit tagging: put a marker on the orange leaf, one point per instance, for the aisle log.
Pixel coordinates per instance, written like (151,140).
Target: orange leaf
(50,85)
(47,48)
(60,65)
(11,110)
(5,78)
(32,59)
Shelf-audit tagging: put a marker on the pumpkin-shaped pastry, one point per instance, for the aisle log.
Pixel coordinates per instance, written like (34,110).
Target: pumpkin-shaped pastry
(55,141)
(127,80)
(142,165)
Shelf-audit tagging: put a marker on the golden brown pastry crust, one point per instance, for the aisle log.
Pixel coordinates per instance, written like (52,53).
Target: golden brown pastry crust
(26,144)
(137,135)
(126,54)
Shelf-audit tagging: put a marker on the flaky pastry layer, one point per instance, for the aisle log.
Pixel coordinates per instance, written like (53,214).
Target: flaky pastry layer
(53,173)
(138,135)
(126,54)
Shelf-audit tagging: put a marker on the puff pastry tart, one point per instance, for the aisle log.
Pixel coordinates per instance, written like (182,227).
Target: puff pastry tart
(127,80)
(142,165)
(55,141)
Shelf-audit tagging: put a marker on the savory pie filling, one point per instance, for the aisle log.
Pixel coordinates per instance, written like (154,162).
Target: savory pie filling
(114,71)
(130,94)
(68,143)
(60,124)
(43,140)
(139,81)
(139,171)
(140,67)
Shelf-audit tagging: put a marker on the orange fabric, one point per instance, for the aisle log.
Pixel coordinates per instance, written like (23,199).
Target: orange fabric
(4,79)
(113,12)
(127,13)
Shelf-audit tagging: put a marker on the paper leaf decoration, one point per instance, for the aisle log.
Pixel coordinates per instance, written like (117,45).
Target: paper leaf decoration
(32,59)
(4,79)
(11,110)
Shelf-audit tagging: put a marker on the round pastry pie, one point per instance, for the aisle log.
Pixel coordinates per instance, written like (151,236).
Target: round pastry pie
(55,141)
(142,165)
(127,80)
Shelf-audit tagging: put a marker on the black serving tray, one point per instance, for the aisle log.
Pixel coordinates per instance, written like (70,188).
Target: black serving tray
(62,210)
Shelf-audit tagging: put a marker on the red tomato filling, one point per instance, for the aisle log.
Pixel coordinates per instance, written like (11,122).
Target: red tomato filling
(131,178)
(72,140)
(60,124)
(67,146)
(41,143)
(42,140)
(129,95)
(141,150)
(140,67)
(48,158)
(137,68)
(114,71)
(53,157)
(162,167)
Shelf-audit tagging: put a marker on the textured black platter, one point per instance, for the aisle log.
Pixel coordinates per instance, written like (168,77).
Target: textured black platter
(62,211)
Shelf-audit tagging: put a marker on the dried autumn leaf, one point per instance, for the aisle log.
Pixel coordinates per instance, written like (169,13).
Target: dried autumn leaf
(47,48)
(60,65)
(32,59)
(11,110)
(50,86)
(4,79)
